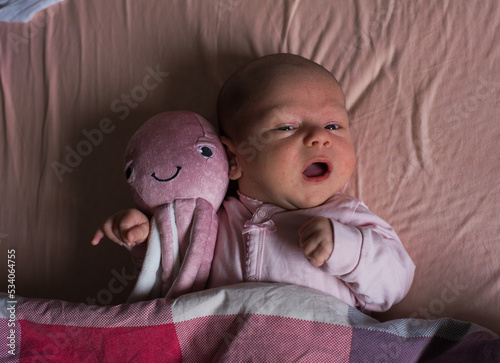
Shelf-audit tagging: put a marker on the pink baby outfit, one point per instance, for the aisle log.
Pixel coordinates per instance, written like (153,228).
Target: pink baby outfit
(368,268)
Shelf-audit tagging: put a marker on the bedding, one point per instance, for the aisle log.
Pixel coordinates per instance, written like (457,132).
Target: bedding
(422,83)
(254,322)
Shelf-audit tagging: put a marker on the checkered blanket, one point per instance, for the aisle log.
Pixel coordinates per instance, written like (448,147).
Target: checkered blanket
(251,322)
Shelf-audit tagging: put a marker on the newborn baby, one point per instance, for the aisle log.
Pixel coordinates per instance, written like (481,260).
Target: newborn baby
(284,123)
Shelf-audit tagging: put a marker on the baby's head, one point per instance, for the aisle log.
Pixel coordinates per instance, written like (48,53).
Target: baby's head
(284,122)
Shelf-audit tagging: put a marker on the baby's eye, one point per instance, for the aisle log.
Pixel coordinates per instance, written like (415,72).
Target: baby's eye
(285,128)
(206,151)
(332,127)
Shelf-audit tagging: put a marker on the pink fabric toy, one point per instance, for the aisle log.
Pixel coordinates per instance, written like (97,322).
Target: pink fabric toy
(177,170)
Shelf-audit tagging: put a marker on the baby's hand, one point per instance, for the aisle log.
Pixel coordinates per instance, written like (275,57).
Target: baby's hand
(316,240)
(128,227)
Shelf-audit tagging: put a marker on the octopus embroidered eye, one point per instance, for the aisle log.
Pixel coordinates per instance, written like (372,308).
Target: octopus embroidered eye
(128,171)
(206,151)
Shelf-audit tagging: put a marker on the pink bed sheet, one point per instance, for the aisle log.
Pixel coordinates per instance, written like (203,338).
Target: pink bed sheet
(422,81)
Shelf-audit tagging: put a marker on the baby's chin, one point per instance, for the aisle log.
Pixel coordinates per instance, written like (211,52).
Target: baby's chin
(292,200)
(302,203)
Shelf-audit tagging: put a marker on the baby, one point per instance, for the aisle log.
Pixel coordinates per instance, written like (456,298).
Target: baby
(284,123)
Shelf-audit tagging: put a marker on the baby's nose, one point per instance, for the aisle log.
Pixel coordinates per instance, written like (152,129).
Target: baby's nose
(317,136)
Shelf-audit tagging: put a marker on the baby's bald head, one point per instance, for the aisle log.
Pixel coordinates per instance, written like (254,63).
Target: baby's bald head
(246,85)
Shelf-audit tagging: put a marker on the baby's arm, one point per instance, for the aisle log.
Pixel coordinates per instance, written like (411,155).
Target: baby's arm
(128,227)
(316,240)
(369,257)
(363,251)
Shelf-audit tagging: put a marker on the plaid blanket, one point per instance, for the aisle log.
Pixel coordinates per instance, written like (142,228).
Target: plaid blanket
(251,322)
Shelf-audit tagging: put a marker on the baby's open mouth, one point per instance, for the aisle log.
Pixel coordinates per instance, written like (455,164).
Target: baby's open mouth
(316,170)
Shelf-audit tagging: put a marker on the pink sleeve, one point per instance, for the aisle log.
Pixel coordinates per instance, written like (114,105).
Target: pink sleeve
(369,257)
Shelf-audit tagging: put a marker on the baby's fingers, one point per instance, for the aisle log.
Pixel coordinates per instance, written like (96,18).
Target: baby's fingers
(109,229)
(112,230)
(127,227)
(309,245)
(97,237)
(317,254)
(316,240)
(137,234)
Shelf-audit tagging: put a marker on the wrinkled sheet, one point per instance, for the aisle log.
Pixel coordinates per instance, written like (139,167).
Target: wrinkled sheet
(422,81)
(246,322)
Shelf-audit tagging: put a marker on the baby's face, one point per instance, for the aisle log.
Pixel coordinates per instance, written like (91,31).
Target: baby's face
(295,148)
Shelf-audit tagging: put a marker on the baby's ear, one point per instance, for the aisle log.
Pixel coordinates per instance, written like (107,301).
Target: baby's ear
(235,171)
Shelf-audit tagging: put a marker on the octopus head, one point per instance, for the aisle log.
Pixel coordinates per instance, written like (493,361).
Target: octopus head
(176,155)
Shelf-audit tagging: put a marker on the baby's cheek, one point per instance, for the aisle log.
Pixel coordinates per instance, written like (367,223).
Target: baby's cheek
(348,160)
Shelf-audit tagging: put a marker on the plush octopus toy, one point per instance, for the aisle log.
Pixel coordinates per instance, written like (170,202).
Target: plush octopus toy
(177,171)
